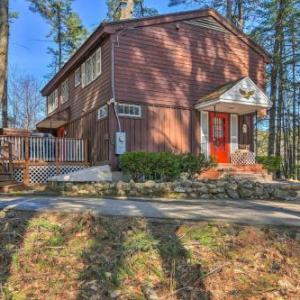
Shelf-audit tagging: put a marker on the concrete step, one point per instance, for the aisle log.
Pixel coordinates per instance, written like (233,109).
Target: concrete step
(255,177)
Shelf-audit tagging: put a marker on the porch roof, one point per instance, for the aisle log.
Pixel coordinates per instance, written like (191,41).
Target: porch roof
(55,121)
(239,97)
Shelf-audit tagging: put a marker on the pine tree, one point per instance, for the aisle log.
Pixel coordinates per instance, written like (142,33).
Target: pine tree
(236,11)
(140,9)
(66,29)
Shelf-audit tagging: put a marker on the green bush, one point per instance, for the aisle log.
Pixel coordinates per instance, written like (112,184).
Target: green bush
(163,166)
(271,163)
(193,164)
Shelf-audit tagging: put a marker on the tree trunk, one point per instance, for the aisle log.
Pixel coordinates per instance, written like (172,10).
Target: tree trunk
(59,38)
(229,10)
(240,16)
(294,134)
(3,61)
(280,107)
(274,76)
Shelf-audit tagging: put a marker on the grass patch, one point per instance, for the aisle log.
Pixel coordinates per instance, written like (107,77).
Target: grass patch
(80,256)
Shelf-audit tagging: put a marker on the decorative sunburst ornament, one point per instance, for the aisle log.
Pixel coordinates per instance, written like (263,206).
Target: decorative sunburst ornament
(247,94)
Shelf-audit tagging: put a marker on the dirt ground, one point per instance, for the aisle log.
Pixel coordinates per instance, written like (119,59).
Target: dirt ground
(80,256)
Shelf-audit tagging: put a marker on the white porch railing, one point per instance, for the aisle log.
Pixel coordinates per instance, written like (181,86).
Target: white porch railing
(47,149)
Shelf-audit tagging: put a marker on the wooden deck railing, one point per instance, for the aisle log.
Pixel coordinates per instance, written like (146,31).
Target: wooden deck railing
(6,162)
(46,149)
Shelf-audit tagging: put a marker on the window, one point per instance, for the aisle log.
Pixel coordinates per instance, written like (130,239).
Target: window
(129,110)
(77,77)
(64,91)
(102,112)
(52,102)
(91,68)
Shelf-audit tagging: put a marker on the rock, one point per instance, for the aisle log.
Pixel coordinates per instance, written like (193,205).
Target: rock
(202,189)
(179,189)
(120,185)
(184,176)
(245,193)
(115,294)
(233,194)
(149,293)
(96,297)
(281,194)
(221,183)
(205,196)
(259,190)
(149,184)
(198,184)
(232,186)
(216,190)
(221,196)
(193,195)
(246,184)
(187,183)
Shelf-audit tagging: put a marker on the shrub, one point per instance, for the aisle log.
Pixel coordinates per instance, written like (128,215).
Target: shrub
(162,166)
(194,164)
(271,163)
(150,165)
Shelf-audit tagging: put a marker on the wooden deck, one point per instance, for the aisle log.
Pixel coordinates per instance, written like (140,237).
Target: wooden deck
(27,155)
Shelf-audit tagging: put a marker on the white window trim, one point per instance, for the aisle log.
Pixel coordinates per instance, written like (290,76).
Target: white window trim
(97,67)
(102,108)
(77,83)
(128,114)
(66,82)
(54,105)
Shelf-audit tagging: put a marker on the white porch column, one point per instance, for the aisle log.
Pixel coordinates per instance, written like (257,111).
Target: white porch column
(234,133)
(204,131)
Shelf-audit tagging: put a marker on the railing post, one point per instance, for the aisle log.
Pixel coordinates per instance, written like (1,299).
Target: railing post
(10,159)
(26,175)
(57,151)
(85,154)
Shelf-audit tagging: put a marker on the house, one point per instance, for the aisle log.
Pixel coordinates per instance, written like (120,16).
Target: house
(182,82)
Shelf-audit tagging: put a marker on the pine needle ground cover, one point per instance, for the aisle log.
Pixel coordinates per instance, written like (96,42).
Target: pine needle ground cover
(82,256)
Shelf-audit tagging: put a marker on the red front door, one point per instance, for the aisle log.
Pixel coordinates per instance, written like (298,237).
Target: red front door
(219,136)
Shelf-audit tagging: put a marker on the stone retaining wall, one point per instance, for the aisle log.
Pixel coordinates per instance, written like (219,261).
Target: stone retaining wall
(230,188)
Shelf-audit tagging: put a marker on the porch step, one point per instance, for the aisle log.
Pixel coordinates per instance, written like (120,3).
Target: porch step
(252,172)
(5,177)
(12,187)
(255,177)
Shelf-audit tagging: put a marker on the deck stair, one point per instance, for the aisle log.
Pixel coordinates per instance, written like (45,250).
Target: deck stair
(7,180)
(254,172)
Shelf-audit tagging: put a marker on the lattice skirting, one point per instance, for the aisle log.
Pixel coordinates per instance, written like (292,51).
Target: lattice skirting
(243,157)
(40,174)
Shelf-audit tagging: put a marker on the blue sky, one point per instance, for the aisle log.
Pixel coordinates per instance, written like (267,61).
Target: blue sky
(28,42)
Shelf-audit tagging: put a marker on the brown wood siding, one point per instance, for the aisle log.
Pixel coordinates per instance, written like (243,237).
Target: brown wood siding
(82,100)
(160,129)
(95,131)
(162,65)
(246,138)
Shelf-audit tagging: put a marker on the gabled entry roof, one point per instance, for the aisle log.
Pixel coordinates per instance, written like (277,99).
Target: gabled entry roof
(240,97)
